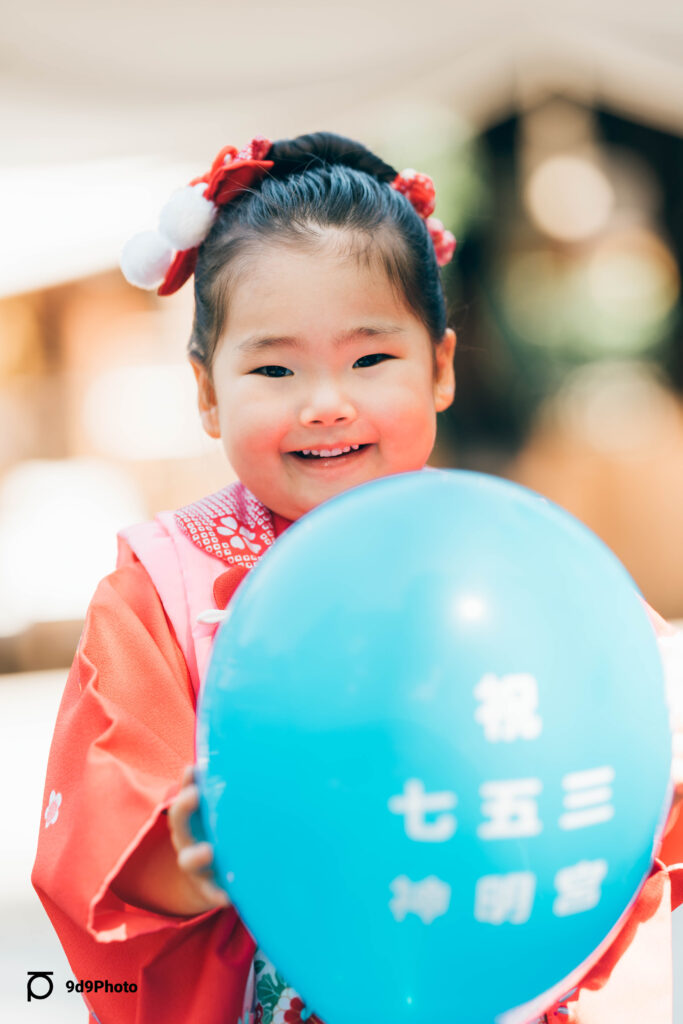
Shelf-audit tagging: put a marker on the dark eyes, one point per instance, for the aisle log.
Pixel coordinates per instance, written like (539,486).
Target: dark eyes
(282,371)
(375,358)
(272,371)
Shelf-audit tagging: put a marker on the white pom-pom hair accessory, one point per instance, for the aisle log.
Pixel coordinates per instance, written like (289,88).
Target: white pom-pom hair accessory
(165,258)
(187,217)
(184,223)
(145,260)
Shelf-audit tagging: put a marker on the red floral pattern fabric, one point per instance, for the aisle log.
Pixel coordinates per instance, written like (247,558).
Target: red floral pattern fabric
(231,525)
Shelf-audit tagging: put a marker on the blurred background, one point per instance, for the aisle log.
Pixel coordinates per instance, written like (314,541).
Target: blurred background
(554,134)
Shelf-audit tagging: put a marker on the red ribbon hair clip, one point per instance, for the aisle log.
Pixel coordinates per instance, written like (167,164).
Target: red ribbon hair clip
(164,259)
(419,191)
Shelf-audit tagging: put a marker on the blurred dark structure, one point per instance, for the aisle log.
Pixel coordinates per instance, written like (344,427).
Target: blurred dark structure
(566,297)
(503,375)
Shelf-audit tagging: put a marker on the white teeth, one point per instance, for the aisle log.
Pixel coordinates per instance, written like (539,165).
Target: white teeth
(326,453)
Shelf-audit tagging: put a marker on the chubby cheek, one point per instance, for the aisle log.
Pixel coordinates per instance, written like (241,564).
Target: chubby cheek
(409,427)
(254,432)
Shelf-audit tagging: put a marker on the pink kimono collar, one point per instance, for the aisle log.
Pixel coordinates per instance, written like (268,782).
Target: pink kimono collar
(232,525)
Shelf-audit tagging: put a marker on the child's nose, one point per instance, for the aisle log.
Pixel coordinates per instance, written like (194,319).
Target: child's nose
(327,404)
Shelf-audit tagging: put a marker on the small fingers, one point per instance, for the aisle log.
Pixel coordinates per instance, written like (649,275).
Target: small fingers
(213,894)
(196,857)
(197,861)
(193,857)
(179,814)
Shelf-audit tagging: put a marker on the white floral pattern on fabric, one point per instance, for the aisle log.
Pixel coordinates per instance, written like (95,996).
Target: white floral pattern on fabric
(239,535)
(231,524)
(289,1008)
(52,809)
(276,1002)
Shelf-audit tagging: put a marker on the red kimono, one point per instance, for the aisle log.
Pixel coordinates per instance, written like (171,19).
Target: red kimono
(125,731)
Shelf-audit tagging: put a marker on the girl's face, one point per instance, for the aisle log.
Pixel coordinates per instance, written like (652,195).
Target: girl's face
(320,355)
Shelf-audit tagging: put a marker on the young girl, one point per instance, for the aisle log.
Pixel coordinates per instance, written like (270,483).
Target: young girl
(322,356)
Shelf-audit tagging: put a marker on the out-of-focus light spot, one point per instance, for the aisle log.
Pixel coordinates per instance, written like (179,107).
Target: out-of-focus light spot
(611,299)
(470,608)
(569,198)
(145,412)
(619,408)
(556,126)
(634,274)
(537,297)
(58,524)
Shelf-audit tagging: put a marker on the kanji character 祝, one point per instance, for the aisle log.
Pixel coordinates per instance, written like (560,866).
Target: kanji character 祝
(508,707)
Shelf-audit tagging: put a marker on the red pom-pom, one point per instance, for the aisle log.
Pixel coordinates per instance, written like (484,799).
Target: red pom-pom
(443,241)
(418,189)
(257,149)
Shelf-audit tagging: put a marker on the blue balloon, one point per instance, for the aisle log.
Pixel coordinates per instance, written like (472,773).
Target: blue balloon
(434,751)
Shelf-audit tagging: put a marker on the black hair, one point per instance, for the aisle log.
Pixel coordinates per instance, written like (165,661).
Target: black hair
(318,181)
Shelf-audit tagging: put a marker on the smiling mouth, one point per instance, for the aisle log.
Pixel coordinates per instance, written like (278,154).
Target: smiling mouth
(330,453)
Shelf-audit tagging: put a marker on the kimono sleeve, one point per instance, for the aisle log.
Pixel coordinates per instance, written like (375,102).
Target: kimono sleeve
(125,730)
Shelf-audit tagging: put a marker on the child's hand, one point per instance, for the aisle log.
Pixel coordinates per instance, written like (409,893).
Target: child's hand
(195,858)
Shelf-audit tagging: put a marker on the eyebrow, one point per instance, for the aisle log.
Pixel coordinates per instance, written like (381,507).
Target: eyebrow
(257,343)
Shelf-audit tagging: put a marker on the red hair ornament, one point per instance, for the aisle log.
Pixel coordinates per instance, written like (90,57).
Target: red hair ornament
(442,239)
(420,193)
(164,259)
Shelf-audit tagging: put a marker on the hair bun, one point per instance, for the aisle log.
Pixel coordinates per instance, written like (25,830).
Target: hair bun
(293,155)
